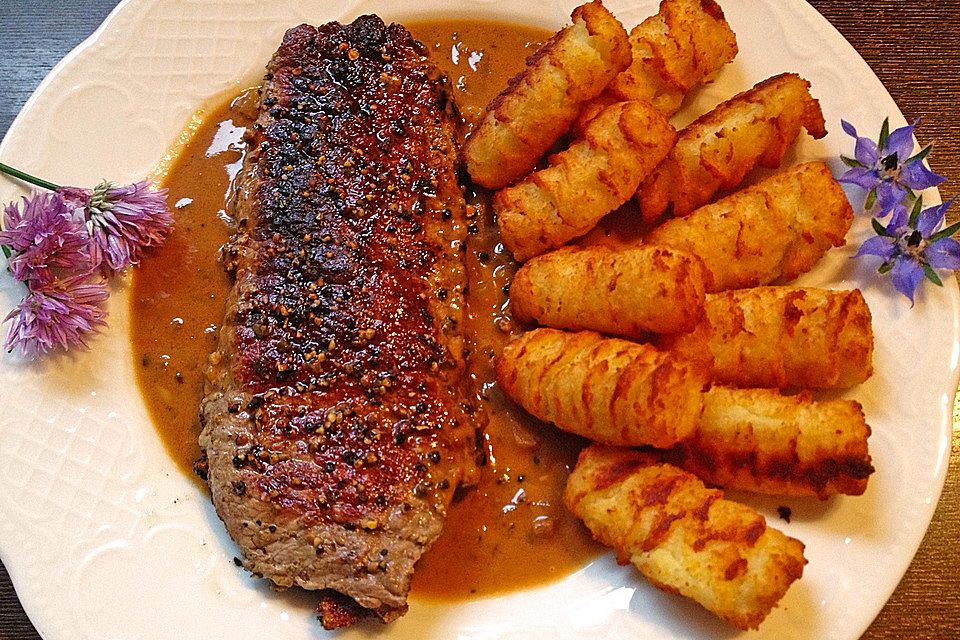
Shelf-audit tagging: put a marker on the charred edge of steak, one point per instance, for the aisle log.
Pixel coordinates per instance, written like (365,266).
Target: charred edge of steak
(201,466)
(336,611)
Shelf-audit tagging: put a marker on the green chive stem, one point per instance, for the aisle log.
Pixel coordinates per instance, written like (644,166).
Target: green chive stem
(26,177)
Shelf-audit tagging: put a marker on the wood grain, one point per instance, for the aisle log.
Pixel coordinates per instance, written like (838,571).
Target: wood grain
(914,48)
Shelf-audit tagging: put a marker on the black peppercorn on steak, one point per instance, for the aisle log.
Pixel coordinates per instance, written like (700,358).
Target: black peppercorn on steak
(335,426)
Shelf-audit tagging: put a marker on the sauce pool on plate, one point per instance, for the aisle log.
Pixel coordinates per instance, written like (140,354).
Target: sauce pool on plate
(508,532)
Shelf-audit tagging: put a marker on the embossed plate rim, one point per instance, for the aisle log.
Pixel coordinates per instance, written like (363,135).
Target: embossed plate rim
(72,435)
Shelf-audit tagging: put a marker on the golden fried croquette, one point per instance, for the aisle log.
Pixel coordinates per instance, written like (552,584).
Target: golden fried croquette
(539,104)
(759,440)
(597,174)
(673,51)
(625,292)
(776,229)
(609,390)
(781,337)
(683,537)
(721,147)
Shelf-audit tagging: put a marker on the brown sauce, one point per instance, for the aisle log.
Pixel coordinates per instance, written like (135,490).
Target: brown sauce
(178,292)
(509,531)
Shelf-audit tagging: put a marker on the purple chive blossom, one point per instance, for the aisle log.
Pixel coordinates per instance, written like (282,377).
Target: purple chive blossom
(63,245)
(911,248)
(121,221)
(887,169)
(44,238)
(58,314)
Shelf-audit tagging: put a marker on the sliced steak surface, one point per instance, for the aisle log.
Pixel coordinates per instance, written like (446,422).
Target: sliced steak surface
(335,426)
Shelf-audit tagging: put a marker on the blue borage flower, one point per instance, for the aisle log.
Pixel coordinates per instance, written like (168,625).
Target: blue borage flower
(911,247)
(909,244)
(63,245)
(887,169)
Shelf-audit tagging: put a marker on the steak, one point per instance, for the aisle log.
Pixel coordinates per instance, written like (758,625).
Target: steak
(336,428)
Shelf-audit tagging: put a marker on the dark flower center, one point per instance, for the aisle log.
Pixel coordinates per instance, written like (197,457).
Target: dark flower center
(914,239)
(890,162)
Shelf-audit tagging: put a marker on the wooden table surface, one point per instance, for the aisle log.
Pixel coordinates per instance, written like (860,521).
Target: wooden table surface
(914,47)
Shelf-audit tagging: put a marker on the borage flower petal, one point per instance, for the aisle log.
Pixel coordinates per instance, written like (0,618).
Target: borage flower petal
(889,195)
(882,246)
(906,274)
(930,218)
(943,254)
(900,143)
(848,128)
(866,149)
(866,152)
(899,221)
(59,315)
(863,177)
(917,176)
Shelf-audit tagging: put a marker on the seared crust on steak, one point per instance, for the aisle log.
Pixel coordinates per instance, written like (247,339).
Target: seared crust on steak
(335,427)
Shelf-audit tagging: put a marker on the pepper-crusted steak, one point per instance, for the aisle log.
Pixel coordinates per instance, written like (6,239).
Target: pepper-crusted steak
(335,429)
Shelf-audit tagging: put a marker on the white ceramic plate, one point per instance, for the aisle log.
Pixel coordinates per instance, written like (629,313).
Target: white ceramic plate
(105,539)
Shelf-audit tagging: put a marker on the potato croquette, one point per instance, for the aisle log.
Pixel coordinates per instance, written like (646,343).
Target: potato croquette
(605,389)
(539,104)
(597,174)
(758,440)
(718,150)
(774,230)
(684,537)
(673,52)
(627,292)
(781,337)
